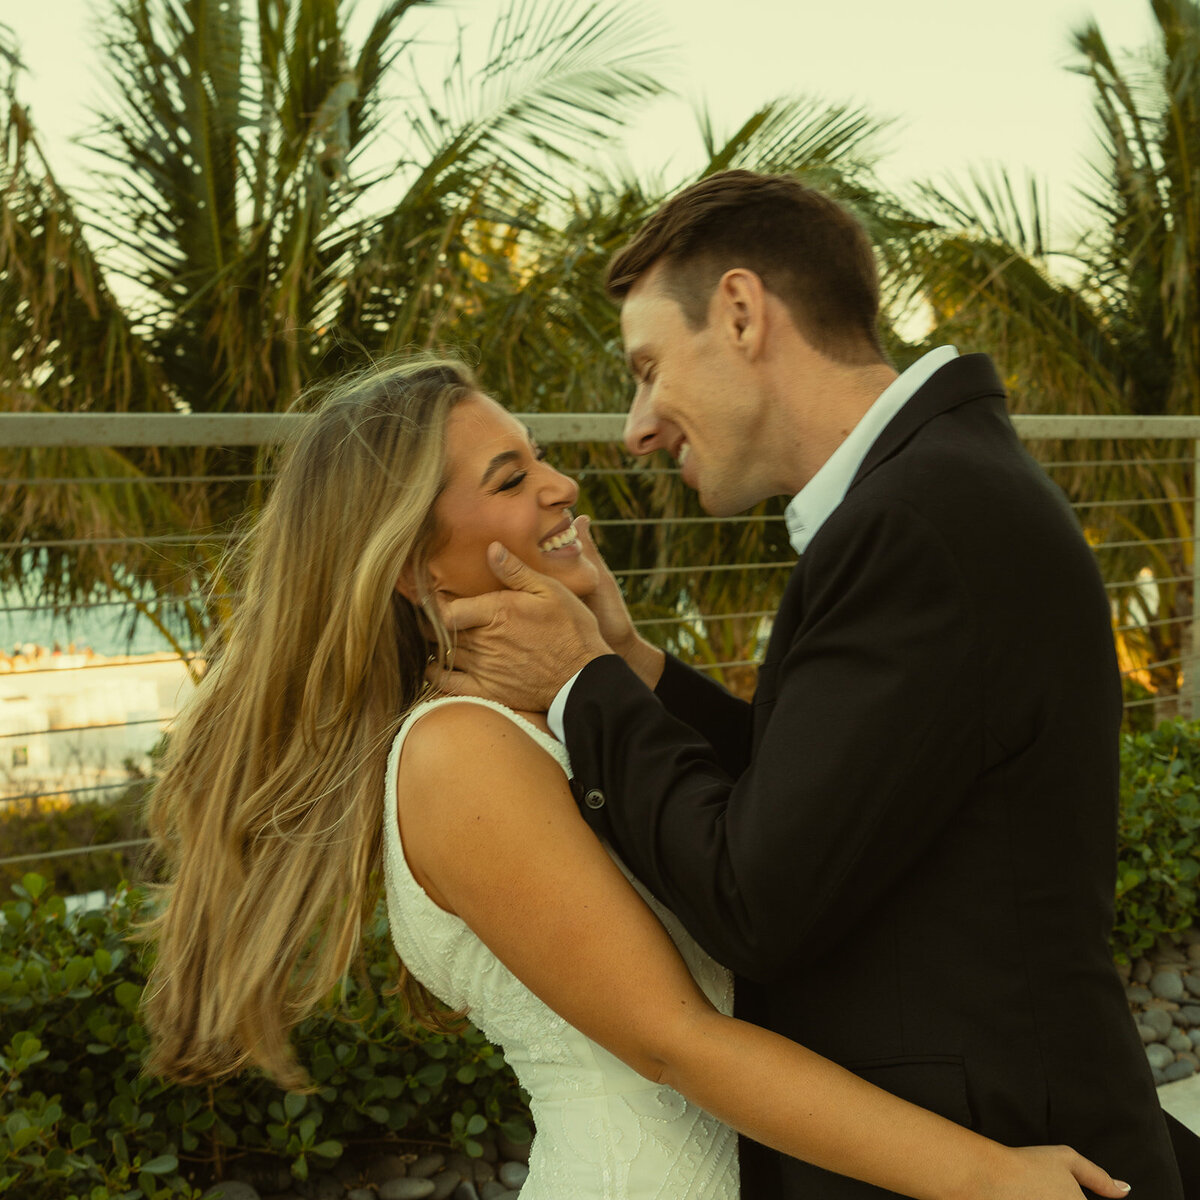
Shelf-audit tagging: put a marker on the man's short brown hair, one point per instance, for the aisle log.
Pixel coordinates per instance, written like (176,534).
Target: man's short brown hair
(806,248)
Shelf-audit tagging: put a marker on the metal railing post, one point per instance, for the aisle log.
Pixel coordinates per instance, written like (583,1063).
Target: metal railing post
(1190,699)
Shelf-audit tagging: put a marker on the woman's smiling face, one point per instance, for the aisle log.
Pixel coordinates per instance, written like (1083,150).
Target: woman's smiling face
(499,489)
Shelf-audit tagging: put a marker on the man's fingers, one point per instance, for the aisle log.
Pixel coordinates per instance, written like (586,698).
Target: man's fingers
(468,612)
(583,526)
(515,574)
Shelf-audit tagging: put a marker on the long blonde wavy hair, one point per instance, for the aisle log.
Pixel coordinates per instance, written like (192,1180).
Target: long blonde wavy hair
(269,810)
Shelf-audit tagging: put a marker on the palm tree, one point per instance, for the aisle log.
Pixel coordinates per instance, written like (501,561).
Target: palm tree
(1110,327)
(248,235)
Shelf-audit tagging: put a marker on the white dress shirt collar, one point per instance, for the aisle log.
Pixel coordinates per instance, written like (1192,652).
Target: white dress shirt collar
(813,504)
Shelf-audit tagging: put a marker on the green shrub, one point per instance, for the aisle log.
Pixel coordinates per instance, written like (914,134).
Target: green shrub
(78,1120)
(1158,846)
(45,826)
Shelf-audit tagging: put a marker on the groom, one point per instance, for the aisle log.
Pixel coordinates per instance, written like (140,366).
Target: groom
(904,847)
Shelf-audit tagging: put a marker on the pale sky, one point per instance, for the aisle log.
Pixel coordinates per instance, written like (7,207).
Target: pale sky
(970,83)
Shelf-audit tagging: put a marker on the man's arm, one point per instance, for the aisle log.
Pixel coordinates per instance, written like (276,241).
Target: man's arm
(870,745)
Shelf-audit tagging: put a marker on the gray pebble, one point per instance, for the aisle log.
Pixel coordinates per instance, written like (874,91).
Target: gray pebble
(493,1189)
(1168,985)
(444,1185)
(513,1175)
(483,1171)
(1146,1034)
(462,1164)
(1178,1041)
(1157,1076)
(406,1189)
(1194,1035)
(1136,994)
(1142,971)
(515,1151)
(427,1166)
(1181,1069)
(1159,1056)
(385,1167)
(1158,1020)
(1189,1015)
(1192,983)
(466,1191)
(232,1189)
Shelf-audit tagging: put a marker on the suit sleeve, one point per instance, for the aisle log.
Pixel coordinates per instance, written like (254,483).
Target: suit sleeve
(724,721)
(869,745)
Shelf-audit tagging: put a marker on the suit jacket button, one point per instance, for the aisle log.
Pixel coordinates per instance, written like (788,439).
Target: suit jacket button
(594,798)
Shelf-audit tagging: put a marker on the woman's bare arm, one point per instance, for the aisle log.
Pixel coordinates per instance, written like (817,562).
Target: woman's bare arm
(491,832)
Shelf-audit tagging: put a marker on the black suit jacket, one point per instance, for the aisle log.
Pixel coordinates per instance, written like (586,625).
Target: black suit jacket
(905,847)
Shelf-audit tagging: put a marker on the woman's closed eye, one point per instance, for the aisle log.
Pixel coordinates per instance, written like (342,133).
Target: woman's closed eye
(518,477)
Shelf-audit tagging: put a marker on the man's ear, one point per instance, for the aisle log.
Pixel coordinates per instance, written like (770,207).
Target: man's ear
(740,299)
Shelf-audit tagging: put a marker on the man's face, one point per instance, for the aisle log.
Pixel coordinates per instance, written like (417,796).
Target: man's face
(695,397)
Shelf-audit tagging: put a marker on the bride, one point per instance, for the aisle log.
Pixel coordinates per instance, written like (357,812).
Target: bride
(312,761)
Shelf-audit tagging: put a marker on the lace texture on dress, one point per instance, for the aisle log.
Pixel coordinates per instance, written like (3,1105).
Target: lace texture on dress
(603,1131)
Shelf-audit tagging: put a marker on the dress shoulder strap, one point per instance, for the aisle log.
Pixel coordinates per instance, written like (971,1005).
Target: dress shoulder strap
(547,741)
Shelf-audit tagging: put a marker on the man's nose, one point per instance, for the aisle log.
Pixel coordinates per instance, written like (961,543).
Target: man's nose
(642,427)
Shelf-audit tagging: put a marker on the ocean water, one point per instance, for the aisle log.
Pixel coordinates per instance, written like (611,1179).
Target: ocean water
(108,629)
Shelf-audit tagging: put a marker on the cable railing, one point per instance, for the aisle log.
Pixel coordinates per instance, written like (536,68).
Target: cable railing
(706,587)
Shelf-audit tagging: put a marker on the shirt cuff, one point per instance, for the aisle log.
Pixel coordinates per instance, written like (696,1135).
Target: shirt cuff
(556,715)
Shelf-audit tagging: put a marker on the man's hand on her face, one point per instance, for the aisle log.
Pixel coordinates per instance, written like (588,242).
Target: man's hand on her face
(520,644)
(616,625)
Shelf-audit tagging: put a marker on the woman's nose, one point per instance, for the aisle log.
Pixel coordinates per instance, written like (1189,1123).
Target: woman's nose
(561,490)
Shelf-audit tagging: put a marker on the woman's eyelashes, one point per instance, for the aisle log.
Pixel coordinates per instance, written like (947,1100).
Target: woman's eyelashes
(518,477)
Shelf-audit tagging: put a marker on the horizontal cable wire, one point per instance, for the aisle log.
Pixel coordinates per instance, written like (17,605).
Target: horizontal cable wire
(1143,542)
(90,605)
(743,520)
(119,479)
(79,791)
(630,572)
(1137,626)
(147,660)
(1144,503)
(1117,462)
(705,617)
(1140,583)
(23,858)
(1166,662)
(157,539)
(90,728)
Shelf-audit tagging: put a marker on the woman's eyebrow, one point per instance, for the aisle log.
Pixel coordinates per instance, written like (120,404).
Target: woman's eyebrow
(499,461)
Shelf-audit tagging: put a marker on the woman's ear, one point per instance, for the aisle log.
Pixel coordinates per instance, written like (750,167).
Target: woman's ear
(406,585)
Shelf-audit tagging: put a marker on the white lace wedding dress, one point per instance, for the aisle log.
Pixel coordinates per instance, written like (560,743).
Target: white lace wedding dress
(603,1131)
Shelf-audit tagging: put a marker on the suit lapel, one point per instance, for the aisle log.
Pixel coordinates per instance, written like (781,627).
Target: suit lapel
(969,377)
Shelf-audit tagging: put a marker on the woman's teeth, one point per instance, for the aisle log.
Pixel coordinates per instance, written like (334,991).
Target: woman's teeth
(568,537)
(684,450)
